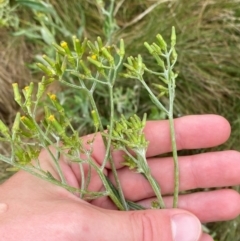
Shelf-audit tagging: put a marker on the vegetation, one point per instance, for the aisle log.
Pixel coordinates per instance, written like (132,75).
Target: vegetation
(208,58)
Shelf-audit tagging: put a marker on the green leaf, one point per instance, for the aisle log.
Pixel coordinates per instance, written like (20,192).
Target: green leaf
(47,36)
(30,33)
(36,6)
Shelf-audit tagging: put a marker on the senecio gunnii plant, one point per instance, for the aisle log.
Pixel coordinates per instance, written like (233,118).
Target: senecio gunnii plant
(91,64)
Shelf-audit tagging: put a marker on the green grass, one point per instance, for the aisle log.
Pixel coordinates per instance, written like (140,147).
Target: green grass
(208,65)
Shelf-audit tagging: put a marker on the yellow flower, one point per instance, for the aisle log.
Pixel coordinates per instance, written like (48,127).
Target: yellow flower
(26,88)
(52,96)
(63,44)
(94,56)
(51,118)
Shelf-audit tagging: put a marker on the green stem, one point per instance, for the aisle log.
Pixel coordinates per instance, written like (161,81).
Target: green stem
(94,106)
(59,170)
(171,89)
(156,189)
(107,186)
(82,175)
(110,25)
(5,159)
(147,173)
(152,96)
(108,155)
(175,160)
(44,137)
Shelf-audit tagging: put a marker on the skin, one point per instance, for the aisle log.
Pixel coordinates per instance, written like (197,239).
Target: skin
(33,209)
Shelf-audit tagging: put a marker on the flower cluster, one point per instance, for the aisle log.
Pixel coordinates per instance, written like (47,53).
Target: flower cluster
(128,133)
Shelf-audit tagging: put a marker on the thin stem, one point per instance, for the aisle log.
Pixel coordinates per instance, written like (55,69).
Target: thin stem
(108,156)
(174,151)
(156,188)
(108,153)
(152,96)
(80,164)
(5,159)
(110,20)
(94,106)
(147,173)
(44,137)
(70,85)
(171,90)
(175,160)
(110,191)
(98,81)
(59,170)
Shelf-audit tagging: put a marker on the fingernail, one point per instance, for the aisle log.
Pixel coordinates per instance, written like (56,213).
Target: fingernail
(185,227)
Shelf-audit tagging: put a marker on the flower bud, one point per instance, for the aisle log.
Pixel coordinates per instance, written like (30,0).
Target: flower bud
(64,45)
(16,124)
(173,37)
(161,42)
(59,49)
(41,89)
(17,95)
(122,48)
(149,48)
(56,103)
(130,60)
(27,91)
(95,62)
(77,45)
(56,125)
(95,118)
(49,60)
(107,55)
(28,122)
(156,48)
(99,41)
(45,69)
(4,130)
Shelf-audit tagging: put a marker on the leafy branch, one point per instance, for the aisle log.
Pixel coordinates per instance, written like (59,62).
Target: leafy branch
(90,65)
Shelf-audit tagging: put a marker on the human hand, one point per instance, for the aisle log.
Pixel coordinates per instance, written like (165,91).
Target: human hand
(33,209)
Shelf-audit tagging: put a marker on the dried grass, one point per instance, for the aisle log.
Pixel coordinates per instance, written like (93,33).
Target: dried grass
(14,55)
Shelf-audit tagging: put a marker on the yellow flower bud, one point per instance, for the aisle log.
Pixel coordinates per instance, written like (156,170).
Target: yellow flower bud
(94,56)
(52,96)
(26,88)
(64,44)
(51,118)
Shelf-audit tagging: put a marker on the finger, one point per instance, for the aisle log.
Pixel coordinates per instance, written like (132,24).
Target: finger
(216,169)
(197,131)
(192,132)
(154,225)
(212,206)
(206,237)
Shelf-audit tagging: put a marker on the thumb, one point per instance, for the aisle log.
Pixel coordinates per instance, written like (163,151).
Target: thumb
(148,225)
